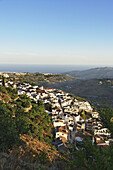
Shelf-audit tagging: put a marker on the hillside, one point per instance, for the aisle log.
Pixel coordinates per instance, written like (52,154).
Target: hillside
(20,115)
(94,73)
(37,78)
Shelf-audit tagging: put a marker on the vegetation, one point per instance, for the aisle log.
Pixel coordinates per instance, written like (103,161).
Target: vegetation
(39,123)
(77,97)
(15,121)
(106,114)
(23,101)
(35,150)
(37,78)
(7,93)
(91,157)
(3,80)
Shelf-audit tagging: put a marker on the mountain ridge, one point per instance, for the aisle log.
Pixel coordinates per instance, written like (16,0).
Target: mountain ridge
(93,73)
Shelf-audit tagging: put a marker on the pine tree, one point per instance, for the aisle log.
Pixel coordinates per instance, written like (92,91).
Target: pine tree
(3,80)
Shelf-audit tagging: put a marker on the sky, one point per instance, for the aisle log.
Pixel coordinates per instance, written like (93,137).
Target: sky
(78,32)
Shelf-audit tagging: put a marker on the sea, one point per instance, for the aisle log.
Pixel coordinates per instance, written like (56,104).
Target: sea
(33,68)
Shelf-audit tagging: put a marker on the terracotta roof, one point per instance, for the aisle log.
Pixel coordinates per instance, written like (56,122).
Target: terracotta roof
(100,141)
(62,131)
(40,91)
(63,138)
(60,121)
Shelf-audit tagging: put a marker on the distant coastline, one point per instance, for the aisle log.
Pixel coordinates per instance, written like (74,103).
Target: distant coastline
(33,68)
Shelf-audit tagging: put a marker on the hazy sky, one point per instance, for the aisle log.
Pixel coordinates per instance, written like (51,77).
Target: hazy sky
(56,32)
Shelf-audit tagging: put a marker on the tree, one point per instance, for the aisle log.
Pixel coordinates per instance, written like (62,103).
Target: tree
(8,130)
(3,80)
(39,123)
(48,107)
(91,157)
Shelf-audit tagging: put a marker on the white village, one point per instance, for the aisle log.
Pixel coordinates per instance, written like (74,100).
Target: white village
(72,118)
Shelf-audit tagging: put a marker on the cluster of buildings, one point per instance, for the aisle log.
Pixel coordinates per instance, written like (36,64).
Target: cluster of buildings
(72,119)
(8,74)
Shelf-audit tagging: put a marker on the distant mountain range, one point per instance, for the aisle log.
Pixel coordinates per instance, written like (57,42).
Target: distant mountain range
(94,73)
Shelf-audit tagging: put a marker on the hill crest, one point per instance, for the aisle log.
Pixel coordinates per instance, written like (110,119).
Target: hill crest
(94,73)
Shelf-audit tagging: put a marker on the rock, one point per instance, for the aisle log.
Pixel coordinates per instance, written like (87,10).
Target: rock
(2,154)
(18,168)
(2,163)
